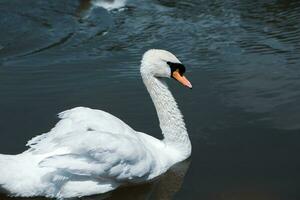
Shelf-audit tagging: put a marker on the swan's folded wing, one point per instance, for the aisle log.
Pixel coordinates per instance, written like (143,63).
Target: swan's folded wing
(103,155)
(79,119)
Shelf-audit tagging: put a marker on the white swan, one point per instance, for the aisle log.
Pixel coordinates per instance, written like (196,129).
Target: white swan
(90,151)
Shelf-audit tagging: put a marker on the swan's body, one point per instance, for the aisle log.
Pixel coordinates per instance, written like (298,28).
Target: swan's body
(90,151)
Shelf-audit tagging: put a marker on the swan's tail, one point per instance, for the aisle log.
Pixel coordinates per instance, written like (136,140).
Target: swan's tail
(20,175)
(5,162)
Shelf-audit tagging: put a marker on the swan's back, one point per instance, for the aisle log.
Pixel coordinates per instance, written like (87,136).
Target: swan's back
(79,119)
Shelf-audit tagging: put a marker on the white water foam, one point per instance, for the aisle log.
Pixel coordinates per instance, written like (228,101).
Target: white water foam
(109,4)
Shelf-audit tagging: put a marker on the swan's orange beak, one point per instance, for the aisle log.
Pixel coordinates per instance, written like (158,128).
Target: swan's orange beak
(181,79)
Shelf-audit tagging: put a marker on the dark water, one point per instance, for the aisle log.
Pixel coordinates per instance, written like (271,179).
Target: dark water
(243,59)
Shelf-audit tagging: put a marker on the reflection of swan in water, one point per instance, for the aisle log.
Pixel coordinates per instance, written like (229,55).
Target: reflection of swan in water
(109,4)
(172,181)
(90,151)
(87,5)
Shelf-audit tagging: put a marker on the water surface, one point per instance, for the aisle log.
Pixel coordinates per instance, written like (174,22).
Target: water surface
(242,58)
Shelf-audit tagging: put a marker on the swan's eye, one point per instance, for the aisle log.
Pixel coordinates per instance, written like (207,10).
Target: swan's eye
(176,67)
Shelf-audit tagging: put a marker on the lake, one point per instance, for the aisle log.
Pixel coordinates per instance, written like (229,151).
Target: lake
(242,57)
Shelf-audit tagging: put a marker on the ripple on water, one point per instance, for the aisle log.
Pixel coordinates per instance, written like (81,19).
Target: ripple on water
(241,56)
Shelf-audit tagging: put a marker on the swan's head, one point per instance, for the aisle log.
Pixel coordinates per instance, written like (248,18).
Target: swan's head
(163,64)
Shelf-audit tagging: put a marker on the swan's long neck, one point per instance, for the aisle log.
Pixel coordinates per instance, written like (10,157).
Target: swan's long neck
(170,118)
